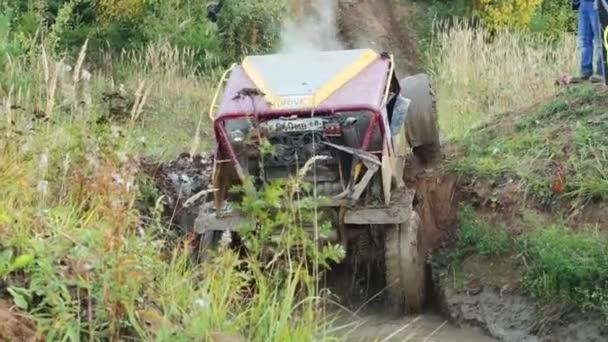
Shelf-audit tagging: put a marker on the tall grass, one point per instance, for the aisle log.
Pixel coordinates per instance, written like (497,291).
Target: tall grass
(94,270)
(177,96)
(479,75)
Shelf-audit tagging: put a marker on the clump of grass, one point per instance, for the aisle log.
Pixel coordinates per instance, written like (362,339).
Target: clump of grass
(476,236)
(567,264)
(562,262)
(556,261)
(479,75)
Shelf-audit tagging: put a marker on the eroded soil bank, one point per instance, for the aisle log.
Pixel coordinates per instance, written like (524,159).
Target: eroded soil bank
(510,316)
(486,292)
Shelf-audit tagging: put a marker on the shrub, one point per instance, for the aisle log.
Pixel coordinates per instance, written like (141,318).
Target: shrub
(507,14)
(554,18)
(251,26)
(111,10)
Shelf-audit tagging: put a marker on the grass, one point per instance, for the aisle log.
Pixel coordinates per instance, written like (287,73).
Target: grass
(93,270)
(556,261)
(479,237)
(76,254)
(557,151)
(479,76)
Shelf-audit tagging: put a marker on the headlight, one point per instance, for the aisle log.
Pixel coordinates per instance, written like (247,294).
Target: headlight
(236,136)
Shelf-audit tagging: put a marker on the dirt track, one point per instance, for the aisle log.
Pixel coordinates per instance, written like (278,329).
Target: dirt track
(381,25)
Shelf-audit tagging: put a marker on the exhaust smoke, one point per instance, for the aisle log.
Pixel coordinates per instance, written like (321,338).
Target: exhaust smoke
(312,26)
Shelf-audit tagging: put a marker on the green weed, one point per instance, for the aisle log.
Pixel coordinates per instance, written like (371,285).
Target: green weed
(557,261)
(475,236)
(568,264)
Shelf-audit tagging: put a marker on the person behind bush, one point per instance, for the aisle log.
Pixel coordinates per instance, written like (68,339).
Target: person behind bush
(589,35)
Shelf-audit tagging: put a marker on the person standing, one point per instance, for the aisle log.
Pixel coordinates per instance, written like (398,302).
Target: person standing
(589,36)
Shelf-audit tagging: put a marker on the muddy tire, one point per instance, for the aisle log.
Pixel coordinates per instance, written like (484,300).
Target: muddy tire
(405,266)
(422,125)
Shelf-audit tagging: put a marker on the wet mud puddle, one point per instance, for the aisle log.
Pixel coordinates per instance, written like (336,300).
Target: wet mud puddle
(430,327)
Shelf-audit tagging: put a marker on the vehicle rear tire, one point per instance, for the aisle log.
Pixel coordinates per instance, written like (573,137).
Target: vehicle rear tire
(422,125)
(405,266)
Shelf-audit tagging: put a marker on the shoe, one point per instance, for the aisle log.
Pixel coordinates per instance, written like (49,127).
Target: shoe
(596,79)
(580,79)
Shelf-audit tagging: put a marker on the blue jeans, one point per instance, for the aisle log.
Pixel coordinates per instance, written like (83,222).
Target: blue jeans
(589,32)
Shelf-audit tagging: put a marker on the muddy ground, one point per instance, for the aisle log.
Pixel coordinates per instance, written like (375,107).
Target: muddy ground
(15,326)
(513,317)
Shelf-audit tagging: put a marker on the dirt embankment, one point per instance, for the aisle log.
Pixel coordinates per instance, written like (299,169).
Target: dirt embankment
(486,293)
(383,26)
(490,288)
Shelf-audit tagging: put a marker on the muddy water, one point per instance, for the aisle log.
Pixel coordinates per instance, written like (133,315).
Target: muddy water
(424,328)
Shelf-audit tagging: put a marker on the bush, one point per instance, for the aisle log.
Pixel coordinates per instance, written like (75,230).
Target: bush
(498,15)
(568,264)
(250,27)
(549,18)
(554,18)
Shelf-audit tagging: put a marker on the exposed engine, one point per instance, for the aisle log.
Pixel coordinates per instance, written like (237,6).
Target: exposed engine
(295,141)
(291,151)
(296,148)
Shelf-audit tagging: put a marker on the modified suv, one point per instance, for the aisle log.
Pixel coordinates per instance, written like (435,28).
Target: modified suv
(342,120)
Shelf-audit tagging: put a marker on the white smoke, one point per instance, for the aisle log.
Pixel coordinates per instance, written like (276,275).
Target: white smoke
(312,26)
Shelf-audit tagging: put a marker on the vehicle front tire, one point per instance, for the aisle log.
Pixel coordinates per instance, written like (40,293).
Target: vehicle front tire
(405,266)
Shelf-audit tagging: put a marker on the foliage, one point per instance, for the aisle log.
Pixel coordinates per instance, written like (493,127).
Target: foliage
(94,270)
(499,15)
(557,151)
(109,10)
(549,18)
(476,236)
(557,261)
(85,263)
(112,26)
(567,264)
(554,18)
(9,47)
(250,27)
(8,263)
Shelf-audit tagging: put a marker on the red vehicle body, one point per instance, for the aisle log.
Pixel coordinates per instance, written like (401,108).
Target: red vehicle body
(341,112)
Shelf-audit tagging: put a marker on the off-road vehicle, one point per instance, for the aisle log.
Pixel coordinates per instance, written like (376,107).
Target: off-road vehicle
(346,120)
